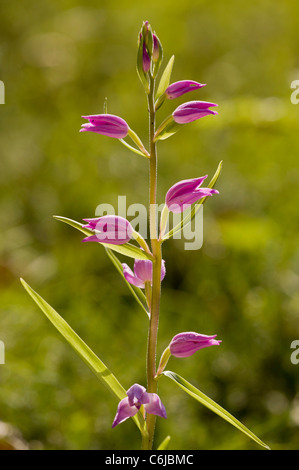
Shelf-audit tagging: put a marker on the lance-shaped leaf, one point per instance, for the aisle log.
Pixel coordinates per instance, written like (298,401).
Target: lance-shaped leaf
(191,214)
(126,249)
(133,149)
(85,353)
(212,405)
(165,78)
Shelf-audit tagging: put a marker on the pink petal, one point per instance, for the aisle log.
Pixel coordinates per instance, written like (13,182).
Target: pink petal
(106,124)
(192,110)
(124,411)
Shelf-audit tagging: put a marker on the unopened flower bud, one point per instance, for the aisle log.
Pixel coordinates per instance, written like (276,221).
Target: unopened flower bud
(136,397)
(146,60)
(177,89)
(157,54)
(148,36)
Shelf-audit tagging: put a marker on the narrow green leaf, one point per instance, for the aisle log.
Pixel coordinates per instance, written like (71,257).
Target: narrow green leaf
(105,107)
(136,292)
(84,352)
(165,78)
(164,443)
(213,406)
(126,249)
(195,208)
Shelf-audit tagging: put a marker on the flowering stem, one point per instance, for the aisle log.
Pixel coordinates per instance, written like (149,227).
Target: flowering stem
(156,281)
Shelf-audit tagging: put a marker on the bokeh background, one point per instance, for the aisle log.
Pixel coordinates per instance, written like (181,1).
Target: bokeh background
(60,60)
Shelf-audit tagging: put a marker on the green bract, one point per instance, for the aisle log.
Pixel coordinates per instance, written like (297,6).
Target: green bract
(87,355)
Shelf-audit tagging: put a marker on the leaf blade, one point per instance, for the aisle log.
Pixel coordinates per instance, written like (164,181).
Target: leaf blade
(80,347)
(212,405)
(126,249)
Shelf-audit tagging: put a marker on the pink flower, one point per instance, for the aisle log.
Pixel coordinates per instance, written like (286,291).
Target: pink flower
(109,229)
(192,110)
(146,60)
(180,88)
(143,272)
(137,396)
(106,124)
(186,344)
(184,193)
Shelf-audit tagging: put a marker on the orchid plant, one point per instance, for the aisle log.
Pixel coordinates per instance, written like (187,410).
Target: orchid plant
(117,236)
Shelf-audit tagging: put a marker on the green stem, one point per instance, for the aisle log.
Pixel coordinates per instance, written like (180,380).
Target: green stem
(156,281)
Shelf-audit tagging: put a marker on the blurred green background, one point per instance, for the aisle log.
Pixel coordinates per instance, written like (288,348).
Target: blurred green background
(59,60)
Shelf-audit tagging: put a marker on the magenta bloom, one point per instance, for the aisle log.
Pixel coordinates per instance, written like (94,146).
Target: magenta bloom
(192,110)
(184,193)
(186,344)
(106,124)
(137,396)
(109,229)
(180,88)
(143,272)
